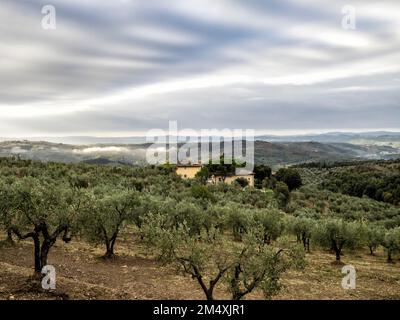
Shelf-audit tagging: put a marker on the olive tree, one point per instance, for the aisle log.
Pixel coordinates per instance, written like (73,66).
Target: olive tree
(7,205)
(215,218)
(43,212)
(375,236)
(302,228)
(257,265)
(239,221)
(271,222)
(153,204)
(391,243)
(106,211)
(190,213)
(202,192)
(244,266)
(195,255)
(337,234)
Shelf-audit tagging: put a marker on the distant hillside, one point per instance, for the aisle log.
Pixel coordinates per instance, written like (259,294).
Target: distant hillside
(378,180)
(300,152)
(273,154)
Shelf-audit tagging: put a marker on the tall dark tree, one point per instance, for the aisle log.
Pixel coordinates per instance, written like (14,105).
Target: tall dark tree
(282,194)
(260,173)
(289,176)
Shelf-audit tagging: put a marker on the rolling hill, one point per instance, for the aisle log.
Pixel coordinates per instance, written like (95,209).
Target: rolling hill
(272,153)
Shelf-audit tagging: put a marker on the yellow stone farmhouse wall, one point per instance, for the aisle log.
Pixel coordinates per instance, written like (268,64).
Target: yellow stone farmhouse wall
(188,172)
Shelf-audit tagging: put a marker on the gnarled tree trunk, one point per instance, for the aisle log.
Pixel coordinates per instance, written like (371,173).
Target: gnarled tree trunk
(389,256)
(41,250)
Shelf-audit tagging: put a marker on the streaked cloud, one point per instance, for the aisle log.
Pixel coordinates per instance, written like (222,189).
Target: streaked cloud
(123,67)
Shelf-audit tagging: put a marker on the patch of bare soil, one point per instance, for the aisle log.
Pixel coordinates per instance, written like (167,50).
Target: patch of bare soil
(135,274)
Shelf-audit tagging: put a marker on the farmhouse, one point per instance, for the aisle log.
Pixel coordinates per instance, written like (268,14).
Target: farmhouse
(189,172)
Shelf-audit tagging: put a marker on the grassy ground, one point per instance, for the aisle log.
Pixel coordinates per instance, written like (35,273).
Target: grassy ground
(135,274)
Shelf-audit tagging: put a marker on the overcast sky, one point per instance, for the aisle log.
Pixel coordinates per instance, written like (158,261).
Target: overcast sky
(121,67)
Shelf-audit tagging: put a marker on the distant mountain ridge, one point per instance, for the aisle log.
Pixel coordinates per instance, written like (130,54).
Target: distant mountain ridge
(346,137)
(372,137)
